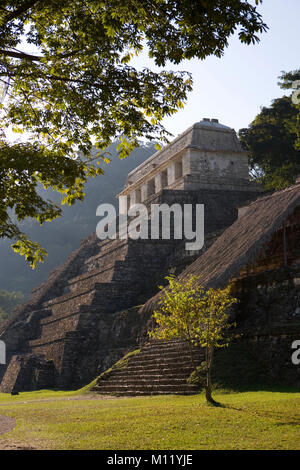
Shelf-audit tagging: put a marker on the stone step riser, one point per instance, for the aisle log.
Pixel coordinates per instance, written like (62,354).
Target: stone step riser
(163,344)
(156,363)
(151,375)
(164,351)
(167,344)
(162,368)
(160,365)
(174,349)
(169,359)
(145,382)
(170,354)
(145,393)
(173,379)
(149,388)
(175,352)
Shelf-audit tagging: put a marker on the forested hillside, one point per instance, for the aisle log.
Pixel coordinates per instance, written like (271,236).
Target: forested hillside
(63,235)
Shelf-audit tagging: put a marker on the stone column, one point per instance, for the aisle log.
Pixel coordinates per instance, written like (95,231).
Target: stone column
(151,187)
(185,163)
(132,199)
(138,196)
(144,192)
(164,178)
(171,173)
(158,183)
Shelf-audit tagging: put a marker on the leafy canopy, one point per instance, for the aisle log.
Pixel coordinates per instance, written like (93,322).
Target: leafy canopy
(190,312)
(67,80)
(273,138)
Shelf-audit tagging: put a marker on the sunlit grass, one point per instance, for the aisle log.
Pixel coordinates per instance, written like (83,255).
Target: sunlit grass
(66,420)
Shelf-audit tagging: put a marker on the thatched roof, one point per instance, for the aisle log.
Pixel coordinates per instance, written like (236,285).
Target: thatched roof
(240,243)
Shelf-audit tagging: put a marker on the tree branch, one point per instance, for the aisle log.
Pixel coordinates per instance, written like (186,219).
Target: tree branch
(20,55)
(52,77)
(25,7)
(23,55)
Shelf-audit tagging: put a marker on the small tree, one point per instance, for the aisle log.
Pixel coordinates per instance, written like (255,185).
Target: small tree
(197,315)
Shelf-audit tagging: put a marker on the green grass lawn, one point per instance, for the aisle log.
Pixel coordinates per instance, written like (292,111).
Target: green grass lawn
(69,420)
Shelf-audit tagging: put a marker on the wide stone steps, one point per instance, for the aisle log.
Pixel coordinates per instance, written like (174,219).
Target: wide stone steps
(150,388)
(159,368)
(142,392)
(186,370)
(159,380)
(174,345)
(152,374)
(171,363)
(168,354)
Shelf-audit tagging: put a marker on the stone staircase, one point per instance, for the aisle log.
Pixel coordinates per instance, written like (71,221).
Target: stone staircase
(79,322)
(160,368)
(118,275)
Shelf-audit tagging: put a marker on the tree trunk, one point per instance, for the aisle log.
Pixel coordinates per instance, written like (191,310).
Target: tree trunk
(208,391)
(191,355)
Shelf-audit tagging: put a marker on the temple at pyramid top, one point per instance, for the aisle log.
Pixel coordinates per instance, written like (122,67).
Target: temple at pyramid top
(208,155)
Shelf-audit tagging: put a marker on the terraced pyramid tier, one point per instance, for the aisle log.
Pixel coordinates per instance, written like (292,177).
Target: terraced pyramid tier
(159,368)
(86,315)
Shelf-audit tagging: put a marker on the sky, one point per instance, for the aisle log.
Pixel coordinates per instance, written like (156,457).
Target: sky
(235,87)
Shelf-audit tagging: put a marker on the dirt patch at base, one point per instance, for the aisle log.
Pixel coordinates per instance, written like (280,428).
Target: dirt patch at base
(5,445)
(6,424)
(87,396)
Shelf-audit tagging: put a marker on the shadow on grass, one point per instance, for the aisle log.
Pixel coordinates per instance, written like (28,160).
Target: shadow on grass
(281,419)
(216,404)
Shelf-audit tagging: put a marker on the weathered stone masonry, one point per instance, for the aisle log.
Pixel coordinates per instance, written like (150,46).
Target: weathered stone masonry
(84,318)
(260,255)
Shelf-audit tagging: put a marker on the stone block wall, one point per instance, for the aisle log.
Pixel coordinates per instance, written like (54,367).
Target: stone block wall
(269,319)
(71,321)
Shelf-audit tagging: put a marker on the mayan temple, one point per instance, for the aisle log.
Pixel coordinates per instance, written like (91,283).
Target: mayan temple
(95,307)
